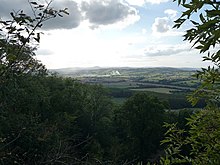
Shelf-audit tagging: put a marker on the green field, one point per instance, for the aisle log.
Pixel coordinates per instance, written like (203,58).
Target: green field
(169,84)
(157,90)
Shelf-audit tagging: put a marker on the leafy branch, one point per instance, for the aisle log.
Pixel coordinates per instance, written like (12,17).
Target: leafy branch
(19,35)
(205,37)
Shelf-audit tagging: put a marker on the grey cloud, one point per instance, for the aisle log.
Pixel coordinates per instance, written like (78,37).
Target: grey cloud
(8,6)
(165,51)
(161,25)
(97,12)
(68,21)
(105,12)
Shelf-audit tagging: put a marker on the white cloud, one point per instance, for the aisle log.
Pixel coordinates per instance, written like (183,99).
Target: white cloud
(136,2)
(144,31)
(161,25)
(89,48)
(171,13)
(86,48)
(142,2)
(156,1)
(44,51)
(166,50)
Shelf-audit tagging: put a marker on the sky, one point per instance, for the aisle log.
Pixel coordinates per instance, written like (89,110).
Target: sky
(112,33)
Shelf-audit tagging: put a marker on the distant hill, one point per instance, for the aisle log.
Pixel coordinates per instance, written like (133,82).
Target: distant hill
(117,71)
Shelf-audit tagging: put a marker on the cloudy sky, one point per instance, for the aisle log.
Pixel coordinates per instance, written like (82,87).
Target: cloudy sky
(109,33)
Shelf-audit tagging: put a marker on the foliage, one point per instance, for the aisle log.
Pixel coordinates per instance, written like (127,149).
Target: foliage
(199,145)
(17,38)
(55,120)
(139,124)
(205,36)
(17,45)
(45,119)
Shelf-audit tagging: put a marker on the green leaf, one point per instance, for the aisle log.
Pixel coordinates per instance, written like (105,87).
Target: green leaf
(38,37)
(187,6)
(195,23)
(213,13)
(199,47)
(202,18)
(34,3)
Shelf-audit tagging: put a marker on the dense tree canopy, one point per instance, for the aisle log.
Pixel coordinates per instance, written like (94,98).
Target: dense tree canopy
(46,119)
(139,125)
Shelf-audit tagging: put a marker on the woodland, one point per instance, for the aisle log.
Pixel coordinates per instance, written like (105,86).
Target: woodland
(48,119)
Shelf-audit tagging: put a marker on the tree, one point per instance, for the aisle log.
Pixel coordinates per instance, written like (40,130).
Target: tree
(18,38)
(94,120)
(205,36)
(197,146)
(201,141)
(22,95)
(139,126)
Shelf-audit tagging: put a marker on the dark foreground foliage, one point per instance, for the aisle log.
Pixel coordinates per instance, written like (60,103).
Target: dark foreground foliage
(52,120)
(45,119)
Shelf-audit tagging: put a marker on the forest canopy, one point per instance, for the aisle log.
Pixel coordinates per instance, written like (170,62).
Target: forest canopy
(47,119)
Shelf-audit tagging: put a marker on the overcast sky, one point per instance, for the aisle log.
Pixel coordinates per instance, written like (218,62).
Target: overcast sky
(110,33)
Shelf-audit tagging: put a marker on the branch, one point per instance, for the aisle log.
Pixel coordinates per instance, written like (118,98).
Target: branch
(11,141)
